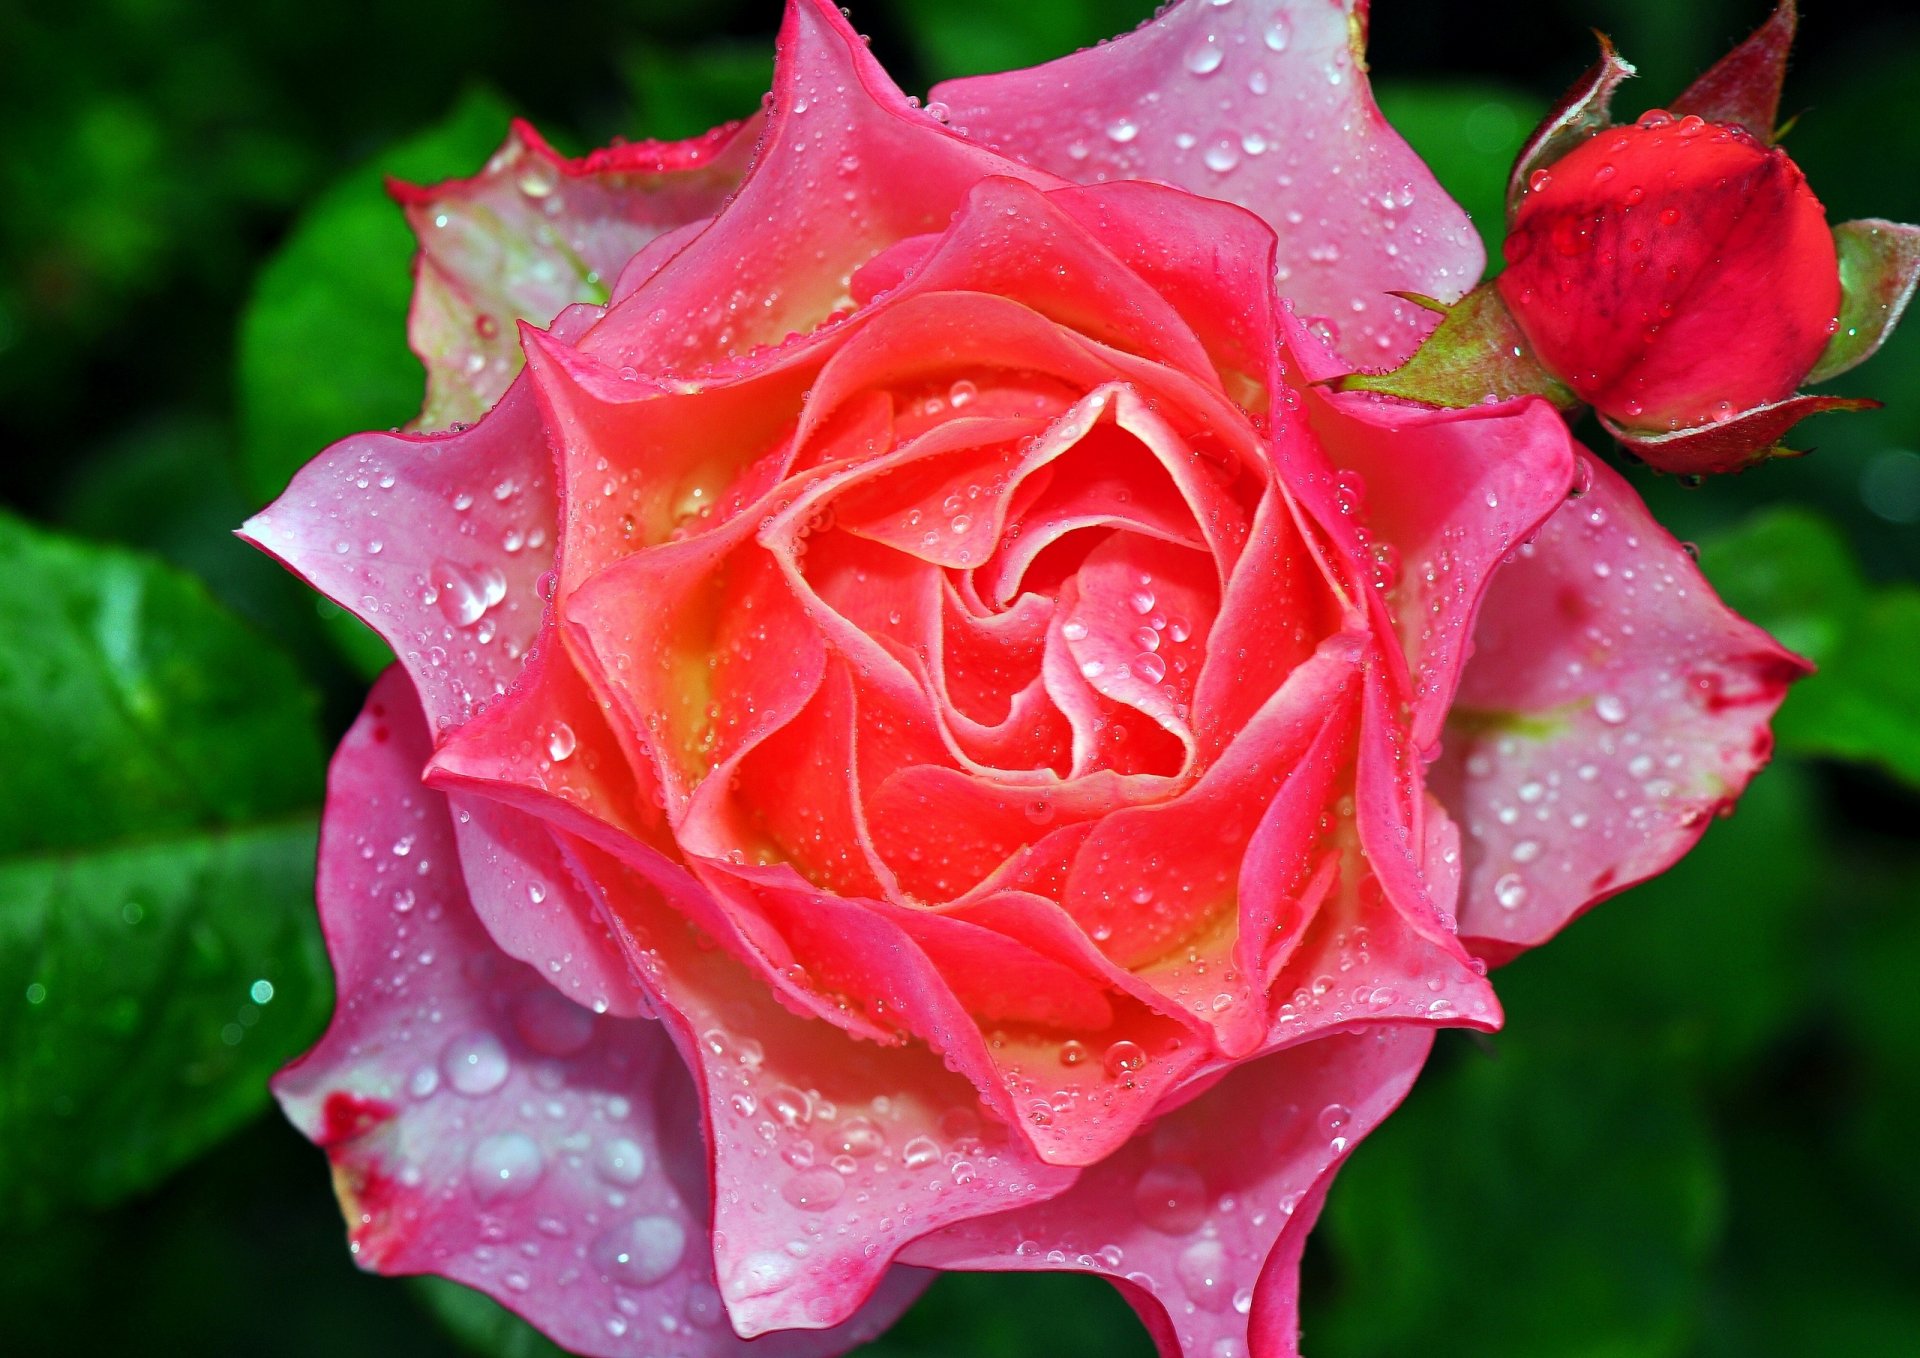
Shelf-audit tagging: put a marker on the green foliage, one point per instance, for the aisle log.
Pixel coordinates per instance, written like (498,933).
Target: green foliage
(680,92)
(481,1325)
(156,858)
(1792,573)
(323,343)
(1549,1200)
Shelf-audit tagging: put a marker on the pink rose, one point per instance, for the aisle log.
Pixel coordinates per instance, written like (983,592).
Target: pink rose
(923,738)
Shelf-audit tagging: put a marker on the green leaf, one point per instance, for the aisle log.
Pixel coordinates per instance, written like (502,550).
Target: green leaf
(1541,1202)
(1734,921)
(681,92)
(1476,354)
(481,1325)
(323,342)
(161,985)
(1791,572)
(156,858)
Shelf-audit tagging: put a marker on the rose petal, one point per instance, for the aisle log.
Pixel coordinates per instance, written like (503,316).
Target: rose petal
(1266,1139)
(1152,880)
(437,542)
(535,232)
(828,1152)
(846,168)
(1277,607)
(1264,104)
(1612,706)
(1122,632)
(1014,240)
(484,1128)
(1447,494)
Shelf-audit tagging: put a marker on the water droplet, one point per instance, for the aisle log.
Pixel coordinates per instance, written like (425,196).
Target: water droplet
(762,1274)
(1122,130)
(640,1253)
(561,742)
(857,1136)
(814,1190)
(620,1161)
(464,596)
(1124,1058)
(1610,709)
(1205,56)
(1202,1270)
(503,1167)
(1278,35)
(1171,1199)
(476,1064)
(1510,891)
(1335,1118)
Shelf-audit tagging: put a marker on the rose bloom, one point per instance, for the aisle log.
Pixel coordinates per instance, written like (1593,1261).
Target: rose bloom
(1674,272)
(924,738)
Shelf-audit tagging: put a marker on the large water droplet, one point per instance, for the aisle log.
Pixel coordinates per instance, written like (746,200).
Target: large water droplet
(761,1274)
(1202,1269)
(640,1253)
(814,1190)
(1171,1199)
(464,596)
(1205,56)
(476,1064)
(503,1167)
(857,1136)
(1124,1057)
(620,1161)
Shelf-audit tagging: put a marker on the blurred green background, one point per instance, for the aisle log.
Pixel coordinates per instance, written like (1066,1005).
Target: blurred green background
(1695,1139)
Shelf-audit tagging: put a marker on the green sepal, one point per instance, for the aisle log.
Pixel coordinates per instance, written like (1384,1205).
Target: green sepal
(1730,445)
(1477,356)
(1879,268)
(1582,111)
(1743,87)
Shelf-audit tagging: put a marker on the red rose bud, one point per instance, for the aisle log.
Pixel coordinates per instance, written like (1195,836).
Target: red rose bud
(1673,273)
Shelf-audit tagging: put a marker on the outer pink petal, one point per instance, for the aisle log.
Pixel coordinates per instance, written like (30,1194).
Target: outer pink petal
(1613,705)
(1206,1213)
(1263,103)
(437,542)
(482,1127)
(1446,495)
(829,1152)
(535,232)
